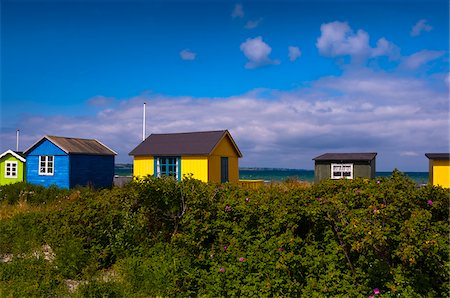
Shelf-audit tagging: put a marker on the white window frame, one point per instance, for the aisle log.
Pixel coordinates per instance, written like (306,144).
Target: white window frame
(341,168)
(177,166)
(46,162)
(11,168)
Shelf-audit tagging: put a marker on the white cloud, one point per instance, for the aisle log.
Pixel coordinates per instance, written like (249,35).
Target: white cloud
(238,11)
(338,39)
(421,58)
(187,54)
(293,53)
(355,112)
(419,27)
(257,52)
(252,24)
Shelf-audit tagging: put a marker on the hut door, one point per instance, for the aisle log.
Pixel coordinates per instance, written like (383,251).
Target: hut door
(224,169)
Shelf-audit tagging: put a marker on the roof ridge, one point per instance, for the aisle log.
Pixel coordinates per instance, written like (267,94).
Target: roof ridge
(73,138)
(189,132)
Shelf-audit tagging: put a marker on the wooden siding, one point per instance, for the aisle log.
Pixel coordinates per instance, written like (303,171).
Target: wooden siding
(46,148)
(143,166)
(203,167)
(20,170)
(224,149)
(60,177)
(440,173)
(214,169)
(69,170)
(195,165)
(91,170)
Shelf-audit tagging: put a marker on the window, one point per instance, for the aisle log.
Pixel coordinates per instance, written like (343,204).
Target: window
(46,165)
(341,170)
(11,169)
(167,166)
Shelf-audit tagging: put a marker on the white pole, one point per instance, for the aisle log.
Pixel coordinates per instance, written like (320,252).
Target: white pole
(143,125)
(17,140)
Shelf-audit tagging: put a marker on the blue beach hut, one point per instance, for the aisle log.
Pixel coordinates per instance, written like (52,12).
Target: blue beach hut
(69,162)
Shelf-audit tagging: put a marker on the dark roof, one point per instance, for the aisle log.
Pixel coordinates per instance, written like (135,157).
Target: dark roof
(346,156)
(445,156)
(20,153)
(76,146)
(189,143)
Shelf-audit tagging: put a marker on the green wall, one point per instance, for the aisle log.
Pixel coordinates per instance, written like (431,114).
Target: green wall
(20,170)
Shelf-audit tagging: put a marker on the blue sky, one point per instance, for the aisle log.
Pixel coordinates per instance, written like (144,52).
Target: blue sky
(289,79)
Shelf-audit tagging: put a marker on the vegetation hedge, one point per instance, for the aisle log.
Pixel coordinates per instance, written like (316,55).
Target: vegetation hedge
(158,237)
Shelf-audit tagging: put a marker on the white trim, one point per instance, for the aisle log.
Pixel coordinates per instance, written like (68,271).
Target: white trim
(13,154)
(38,141)
(341,168)
(14,169)
(107,147)
(158,167)
(46,165)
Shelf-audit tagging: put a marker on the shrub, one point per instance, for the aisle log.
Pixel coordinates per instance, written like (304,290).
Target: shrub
(167,238)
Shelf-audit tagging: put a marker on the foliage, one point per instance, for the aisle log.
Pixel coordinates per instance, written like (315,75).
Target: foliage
(166,238)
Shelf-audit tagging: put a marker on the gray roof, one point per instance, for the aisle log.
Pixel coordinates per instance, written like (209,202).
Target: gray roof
(189,143)
(346,156)
(76,146)
(443,156)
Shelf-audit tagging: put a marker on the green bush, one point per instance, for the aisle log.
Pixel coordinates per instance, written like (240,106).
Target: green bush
(33,194)
(167,238)
(22,233)
(29,277)
(99,289)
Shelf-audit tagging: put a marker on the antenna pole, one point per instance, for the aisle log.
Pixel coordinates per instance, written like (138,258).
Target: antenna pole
(17,140)
(143,125)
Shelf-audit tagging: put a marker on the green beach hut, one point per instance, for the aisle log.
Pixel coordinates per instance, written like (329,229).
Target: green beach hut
(12,167)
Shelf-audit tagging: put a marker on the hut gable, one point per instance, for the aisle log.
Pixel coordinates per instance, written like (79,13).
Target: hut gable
(12,167)
(69,162)
(207,155)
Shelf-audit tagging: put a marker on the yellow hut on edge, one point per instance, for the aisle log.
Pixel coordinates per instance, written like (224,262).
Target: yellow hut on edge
(208,156)
(439,169)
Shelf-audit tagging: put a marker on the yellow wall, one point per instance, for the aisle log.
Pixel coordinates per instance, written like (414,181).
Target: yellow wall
(143,166)
(204,168)
(196,165)
(440,173)
(224,149)
(214,168)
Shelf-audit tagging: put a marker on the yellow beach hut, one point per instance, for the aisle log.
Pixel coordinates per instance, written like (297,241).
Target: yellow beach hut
(208,156)
(439,169)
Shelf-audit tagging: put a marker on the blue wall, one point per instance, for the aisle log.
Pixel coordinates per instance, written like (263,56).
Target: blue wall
(94,170)
(70,170)
(60,176)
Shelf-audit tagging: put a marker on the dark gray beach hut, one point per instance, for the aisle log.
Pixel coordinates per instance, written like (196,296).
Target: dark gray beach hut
(344,165)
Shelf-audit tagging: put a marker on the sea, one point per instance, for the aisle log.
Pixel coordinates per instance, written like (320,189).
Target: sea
(277,175)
